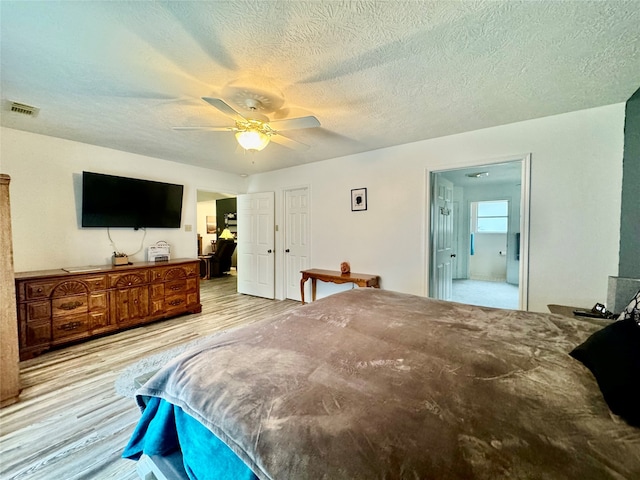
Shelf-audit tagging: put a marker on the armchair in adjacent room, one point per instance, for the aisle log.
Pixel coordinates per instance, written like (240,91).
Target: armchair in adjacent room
(221,259)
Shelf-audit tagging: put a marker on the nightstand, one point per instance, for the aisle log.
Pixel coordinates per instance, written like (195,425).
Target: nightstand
(567,311)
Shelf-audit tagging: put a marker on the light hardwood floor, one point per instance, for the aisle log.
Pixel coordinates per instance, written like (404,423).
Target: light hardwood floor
(71,424)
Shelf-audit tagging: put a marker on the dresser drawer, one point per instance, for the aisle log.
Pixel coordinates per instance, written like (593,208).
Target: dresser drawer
(35,290)
(35,334)
(71,305)
(98,301)
(99,320)
(38,310)
(177,286)
(65,328)
(157,274)
(97,282)
(191,269)
(157,291)
(192,284)
(175,302)
(160,274)
(156,306)
(129,279)
(174,273)
(193,298)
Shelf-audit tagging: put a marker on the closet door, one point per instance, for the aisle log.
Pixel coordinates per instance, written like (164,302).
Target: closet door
(256,244)
(296,241)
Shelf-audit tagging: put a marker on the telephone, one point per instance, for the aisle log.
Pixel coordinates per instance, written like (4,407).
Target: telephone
(598,311)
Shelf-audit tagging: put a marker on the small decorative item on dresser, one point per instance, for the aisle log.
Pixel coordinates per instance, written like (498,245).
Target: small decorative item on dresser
(345,267)
(160,252)
(120,259)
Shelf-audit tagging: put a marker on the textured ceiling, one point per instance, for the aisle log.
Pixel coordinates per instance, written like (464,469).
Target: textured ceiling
(376,74)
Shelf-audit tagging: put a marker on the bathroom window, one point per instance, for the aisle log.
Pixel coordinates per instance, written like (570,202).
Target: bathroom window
(490,217)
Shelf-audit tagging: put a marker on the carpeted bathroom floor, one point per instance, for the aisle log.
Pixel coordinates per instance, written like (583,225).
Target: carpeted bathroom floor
(487,294)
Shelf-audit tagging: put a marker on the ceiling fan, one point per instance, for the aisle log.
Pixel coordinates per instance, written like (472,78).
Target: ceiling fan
(253,130)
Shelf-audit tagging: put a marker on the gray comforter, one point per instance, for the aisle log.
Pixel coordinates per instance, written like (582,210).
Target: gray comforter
(372,384)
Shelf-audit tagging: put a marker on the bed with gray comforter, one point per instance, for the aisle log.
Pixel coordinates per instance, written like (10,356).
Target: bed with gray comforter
(372,384)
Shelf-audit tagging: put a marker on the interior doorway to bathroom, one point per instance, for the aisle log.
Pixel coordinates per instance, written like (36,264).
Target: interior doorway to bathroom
(478,234)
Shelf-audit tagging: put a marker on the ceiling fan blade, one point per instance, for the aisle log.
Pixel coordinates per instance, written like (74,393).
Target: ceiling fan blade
(211,129)
(224,108)
(289,143)
(294,123)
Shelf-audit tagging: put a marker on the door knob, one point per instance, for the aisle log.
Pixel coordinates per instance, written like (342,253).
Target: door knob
(269,251)
(287,250)
(453,255)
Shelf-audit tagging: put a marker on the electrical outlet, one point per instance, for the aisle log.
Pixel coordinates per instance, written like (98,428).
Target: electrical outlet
(187,228)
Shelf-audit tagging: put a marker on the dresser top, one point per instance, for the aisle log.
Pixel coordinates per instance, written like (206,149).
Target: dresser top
(89,269)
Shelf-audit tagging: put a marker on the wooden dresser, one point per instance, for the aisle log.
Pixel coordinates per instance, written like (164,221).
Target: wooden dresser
(57,307)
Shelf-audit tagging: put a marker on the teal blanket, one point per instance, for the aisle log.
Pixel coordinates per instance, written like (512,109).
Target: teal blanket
(165,428)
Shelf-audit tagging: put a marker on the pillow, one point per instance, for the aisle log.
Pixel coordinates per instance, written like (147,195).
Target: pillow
(613,356)
(632,310)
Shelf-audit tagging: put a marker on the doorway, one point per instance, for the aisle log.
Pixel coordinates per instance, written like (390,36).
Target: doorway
(215,219)
(479,234)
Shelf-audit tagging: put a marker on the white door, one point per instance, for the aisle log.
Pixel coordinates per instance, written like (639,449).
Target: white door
(442,278)
(296,241)
(256,254)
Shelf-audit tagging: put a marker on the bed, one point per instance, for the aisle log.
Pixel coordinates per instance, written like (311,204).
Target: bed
(369,384)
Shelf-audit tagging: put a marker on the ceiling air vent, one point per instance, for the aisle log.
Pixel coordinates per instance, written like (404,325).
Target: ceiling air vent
(24,109)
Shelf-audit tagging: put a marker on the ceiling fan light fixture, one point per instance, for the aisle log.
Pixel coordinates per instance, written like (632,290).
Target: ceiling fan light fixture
(252,139)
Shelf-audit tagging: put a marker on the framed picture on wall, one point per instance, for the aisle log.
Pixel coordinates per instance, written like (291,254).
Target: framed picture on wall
(358,199)
(211,224)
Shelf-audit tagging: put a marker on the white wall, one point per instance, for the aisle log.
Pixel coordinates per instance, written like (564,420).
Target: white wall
(576,175)
(486,263)
(46,197)
(576,178)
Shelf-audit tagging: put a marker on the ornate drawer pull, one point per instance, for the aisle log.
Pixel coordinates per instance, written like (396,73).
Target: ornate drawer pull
(70,305)
(176,287)
(174,303)
(70,326)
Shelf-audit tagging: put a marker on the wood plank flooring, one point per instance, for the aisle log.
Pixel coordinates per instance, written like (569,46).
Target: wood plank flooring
(71,424)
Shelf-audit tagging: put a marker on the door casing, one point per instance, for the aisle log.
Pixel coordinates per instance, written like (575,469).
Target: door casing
(525,192)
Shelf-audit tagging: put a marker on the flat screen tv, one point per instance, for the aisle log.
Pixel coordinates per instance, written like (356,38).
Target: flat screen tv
(111,201)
